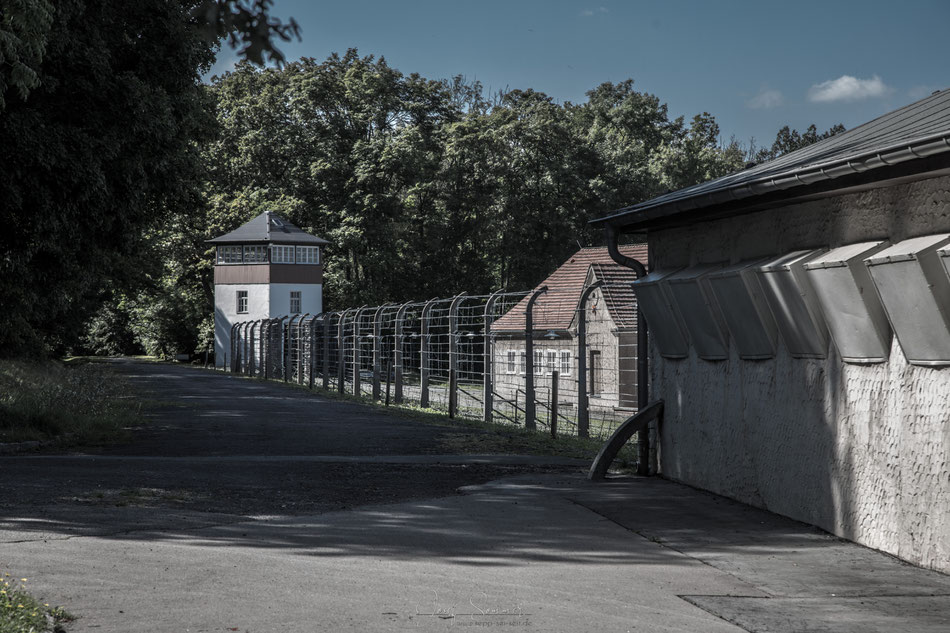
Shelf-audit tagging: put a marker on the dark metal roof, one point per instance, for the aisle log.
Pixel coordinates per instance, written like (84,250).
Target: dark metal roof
(916,131)
(269,228)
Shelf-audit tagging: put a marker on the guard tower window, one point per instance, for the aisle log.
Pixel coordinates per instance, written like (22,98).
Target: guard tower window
(242,301)
(230,255)
(282,254)
(308,255)
(255,254)
(295,302)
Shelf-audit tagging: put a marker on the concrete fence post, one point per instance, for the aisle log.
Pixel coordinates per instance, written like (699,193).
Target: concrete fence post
(397,350)
(488,368)
(251,364)
(326,350)
(553,407)
(583,402)
(301,349)
(424,355)
(377,349)
(357,351)
(312,358)
(280,348)
(245,347)
(454,352)
(529,403)
(232,346)
(341,351)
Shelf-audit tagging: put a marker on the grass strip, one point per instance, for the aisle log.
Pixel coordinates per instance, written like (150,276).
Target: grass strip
(75,402)
(20,612)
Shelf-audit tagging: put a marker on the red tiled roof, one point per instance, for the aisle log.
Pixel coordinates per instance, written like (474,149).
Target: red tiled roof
(554,310)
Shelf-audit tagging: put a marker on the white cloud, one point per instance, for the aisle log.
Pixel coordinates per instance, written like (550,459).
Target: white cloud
(847,88)
(766,99)
(599,10)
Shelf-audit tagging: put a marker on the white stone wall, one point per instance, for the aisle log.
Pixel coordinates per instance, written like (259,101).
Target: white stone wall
(860,451)
(226,314)
(311,298)
(264,301)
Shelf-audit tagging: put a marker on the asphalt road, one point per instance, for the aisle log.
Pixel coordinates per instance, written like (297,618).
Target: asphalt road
(244,506)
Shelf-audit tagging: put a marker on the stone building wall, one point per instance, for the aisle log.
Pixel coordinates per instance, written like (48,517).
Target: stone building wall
(862,451)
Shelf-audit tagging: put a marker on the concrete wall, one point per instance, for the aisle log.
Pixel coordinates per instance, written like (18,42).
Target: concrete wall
(264,301)
(226,315)
(311,298)
(860,451)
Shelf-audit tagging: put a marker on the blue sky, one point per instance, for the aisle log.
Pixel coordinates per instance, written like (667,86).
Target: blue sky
(754,65)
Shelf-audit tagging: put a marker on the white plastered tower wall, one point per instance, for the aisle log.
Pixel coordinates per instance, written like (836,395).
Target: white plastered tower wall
(311,298)
(226,314)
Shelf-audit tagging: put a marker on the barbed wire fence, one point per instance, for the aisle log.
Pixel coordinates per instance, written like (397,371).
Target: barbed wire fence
(546,361)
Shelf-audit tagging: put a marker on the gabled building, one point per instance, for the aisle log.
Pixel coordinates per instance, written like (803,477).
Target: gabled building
(264,269)
(610,354)
(799,316)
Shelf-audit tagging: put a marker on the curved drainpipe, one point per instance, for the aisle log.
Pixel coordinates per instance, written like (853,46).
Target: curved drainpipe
(643,367)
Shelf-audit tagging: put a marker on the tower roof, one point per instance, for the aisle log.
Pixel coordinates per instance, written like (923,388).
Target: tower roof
(269,228)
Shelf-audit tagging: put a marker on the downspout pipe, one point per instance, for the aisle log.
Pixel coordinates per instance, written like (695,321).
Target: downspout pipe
(643,367)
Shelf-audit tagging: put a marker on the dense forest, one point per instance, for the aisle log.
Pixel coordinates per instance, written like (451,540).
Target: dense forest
(120,163)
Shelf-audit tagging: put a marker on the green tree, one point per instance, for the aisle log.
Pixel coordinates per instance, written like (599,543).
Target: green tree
(788,140)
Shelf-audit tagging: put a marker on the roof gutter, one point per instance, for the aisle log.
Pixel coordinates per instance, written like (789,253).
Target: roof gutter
(892,155)
(644,467)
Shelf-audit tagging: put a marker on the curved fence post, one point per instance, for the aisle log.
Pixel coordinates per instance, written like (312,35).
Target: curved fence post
(341,351)
(245,346)
(377,348)
(424,355)
(489,366)
(250,357)
(529,404)
(300,348)
(232,347)
(280,348)
(312,358)
(397,350)
(583,402)
(454,352)
(264,330)
(326,350)
(357,351)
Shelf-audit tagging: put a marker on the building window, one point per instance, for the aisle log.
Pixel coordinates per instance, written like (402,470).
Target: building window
(282,254)
(308,255)
(512,357)
(242,301)
(295,302)
(552,361)
(565,362)
(230,255)
(538,361)
(524,363)
(255,254)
